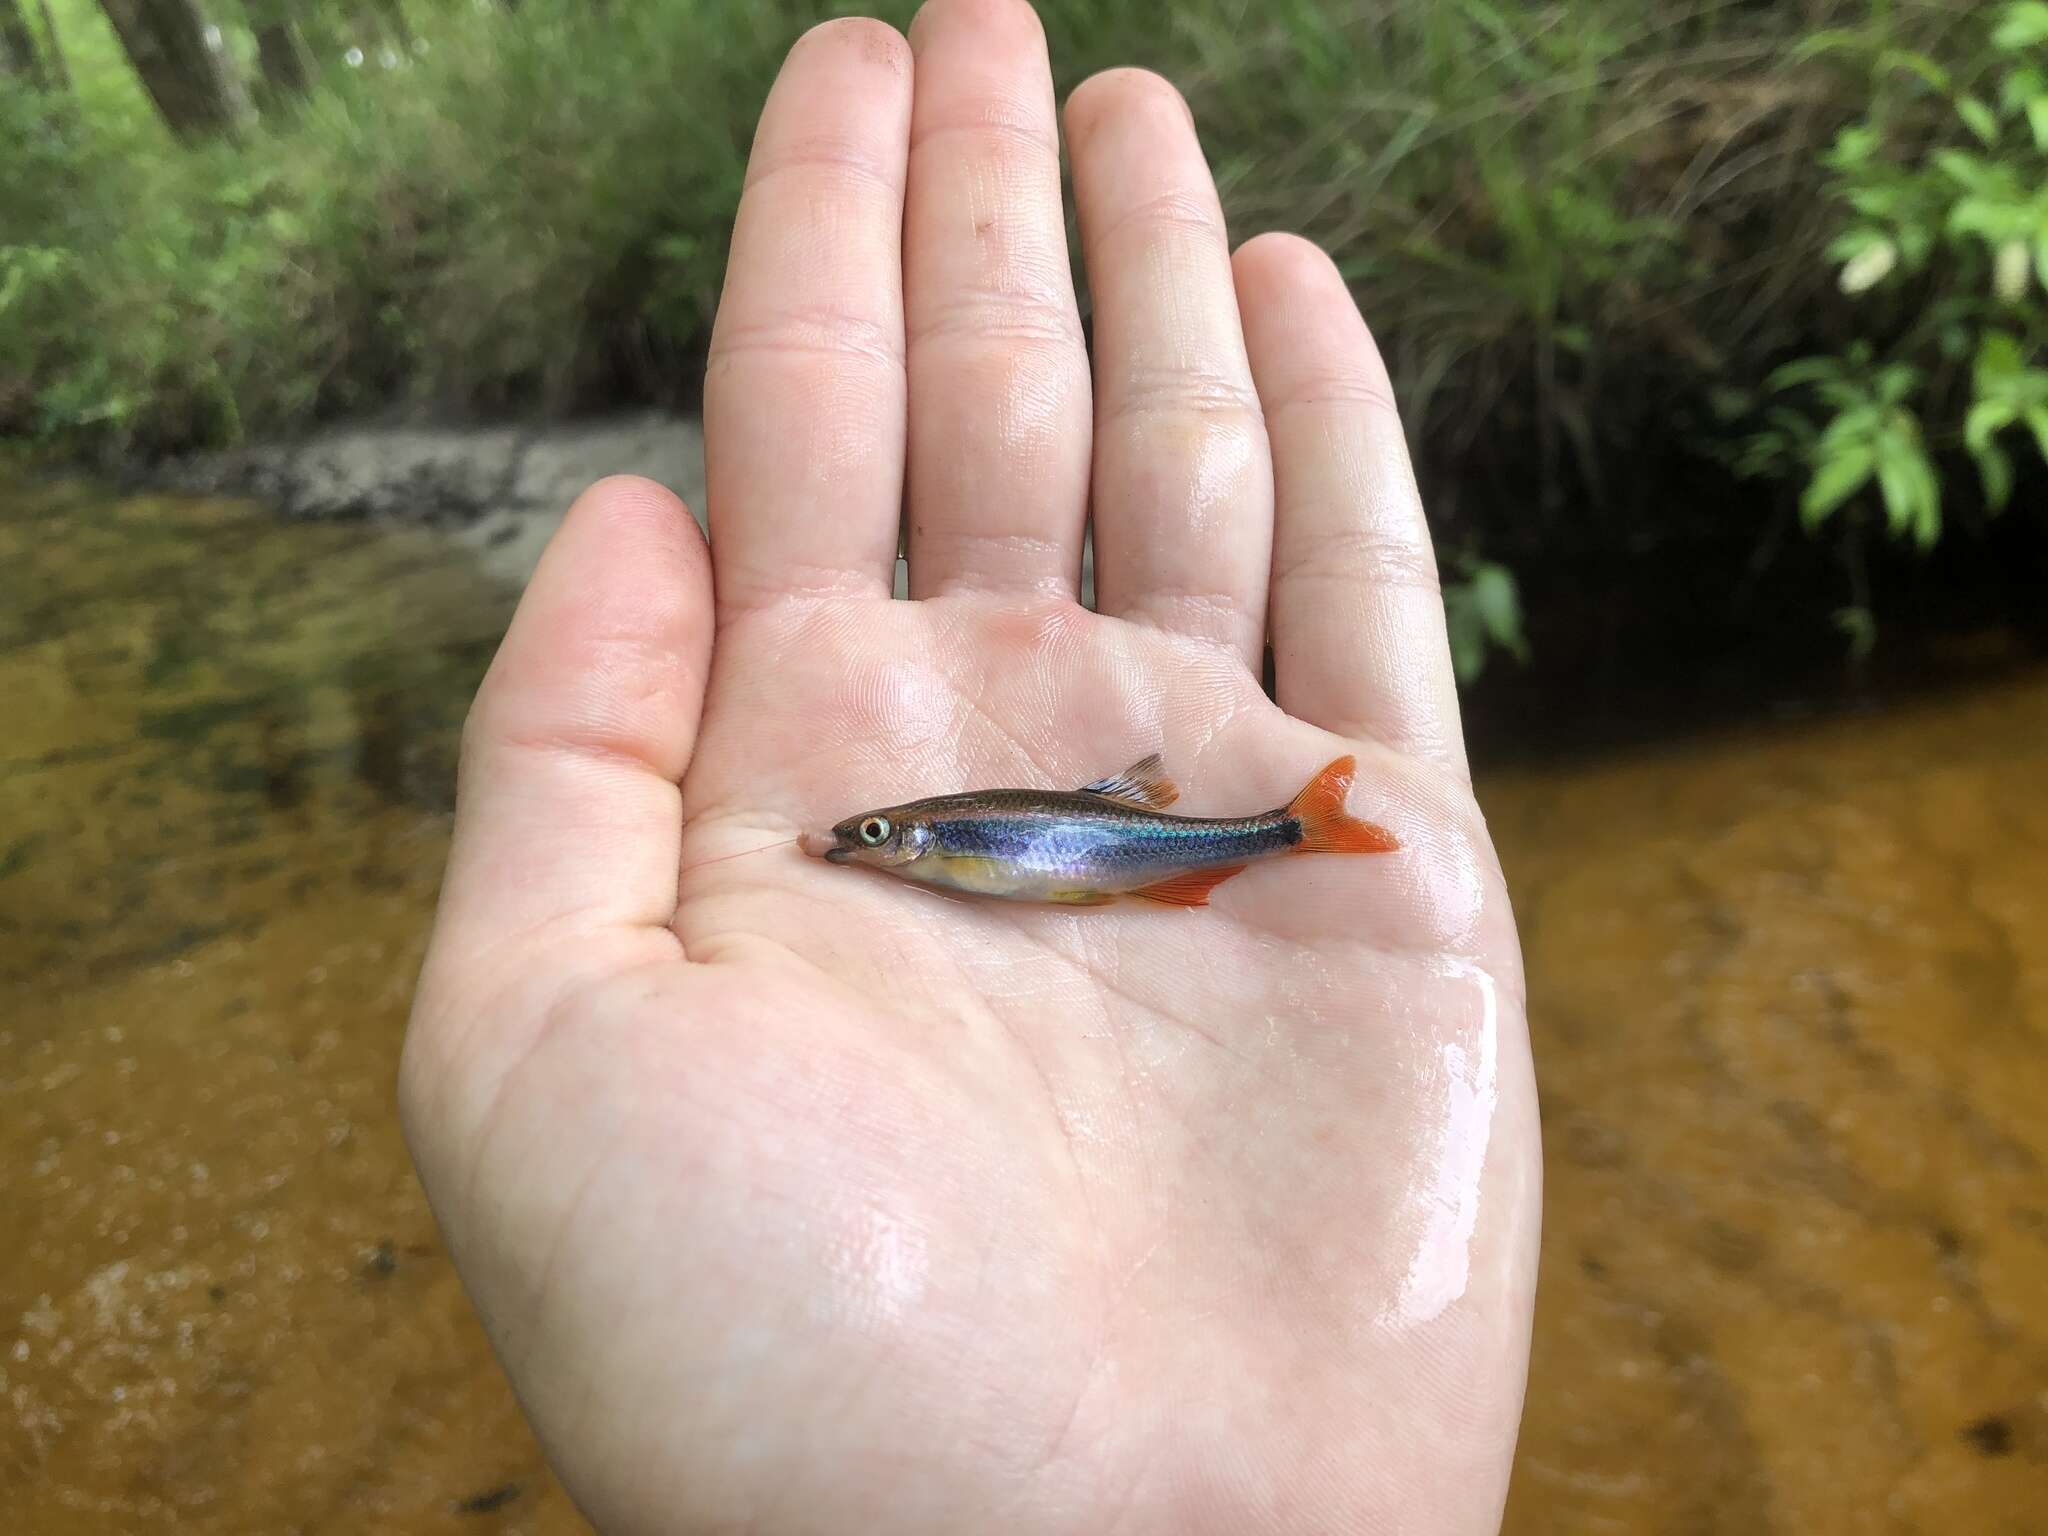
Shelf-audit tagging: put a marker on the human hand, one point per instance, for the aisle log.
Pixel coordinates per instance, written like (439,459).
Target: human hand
(796,1199)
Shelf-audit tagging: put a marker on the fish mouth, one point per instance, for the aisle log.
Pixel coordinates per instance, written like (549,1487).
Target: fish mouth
(823,845)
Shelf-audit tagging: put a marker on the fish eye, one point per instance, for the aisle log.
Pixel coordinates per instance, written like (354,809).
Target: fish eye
(875,831)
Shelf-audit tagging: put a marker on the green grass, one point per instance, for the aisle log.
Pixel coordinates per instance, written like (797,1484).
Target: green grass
(534,213)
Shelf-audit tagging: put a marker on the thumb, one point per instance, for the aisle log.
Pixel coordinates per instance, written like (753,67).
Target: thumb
(568,820)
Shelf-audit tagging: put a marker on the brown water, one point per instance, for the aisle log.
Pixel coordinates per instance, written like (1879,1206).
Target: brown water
(1790,993)
(222,1302)
(1790,1000)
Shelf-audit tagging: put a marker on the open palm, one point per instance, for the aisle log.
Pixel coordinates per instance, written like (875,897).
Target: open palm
(796,1199)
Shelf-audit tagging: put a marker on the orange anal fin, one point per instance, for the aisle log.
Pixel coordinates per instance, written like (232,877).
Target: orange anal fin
(1189,888)
(1326,827)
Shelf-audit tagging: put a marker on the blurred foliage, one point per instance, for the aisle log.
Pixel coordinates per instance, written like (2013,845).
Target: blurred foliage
(1942,181)
(1482,613)
(1804,243)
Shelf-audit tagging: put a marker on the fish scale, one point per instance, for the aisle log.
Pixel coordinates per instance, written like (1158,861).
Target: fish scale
(1080,841)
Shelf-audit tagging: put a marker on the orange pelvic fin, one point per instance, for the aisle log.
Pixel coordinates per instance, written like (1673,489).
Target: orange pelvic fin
(1189,888)
(1325,825)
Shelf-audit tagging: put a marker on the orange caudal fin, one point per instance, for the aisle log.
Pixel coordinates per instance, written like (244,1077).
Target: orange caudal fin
(1189,888)
(1325,825)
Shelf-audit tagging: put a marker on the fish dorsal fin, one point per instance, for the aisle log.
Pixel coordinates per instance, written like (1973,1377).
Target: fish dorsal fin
(1140,784)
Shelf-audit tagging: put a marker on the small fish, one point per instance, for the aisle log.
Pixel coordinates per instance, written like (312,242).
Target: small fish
(1086,847)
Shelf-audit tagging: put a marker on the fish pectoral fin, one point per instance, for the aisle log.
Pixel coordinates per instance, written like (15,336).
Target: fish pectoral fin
(1189,888)
(1140,784)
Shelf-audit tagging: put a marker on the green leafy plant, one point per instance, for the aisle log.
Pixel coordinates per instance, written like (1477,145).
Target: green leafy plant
(1871,437)
(1945,179)
(1483,612)
(2007,393)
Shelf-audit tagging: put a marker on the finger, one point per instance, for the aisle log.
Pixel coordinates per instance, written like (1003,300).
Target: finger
(1183,492)
(998,371)
(1358,620)
(568,819)
(804,388)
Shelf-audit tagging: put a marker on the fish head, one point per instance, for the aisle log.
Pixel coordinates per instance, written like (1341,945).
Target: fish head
(886,839)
